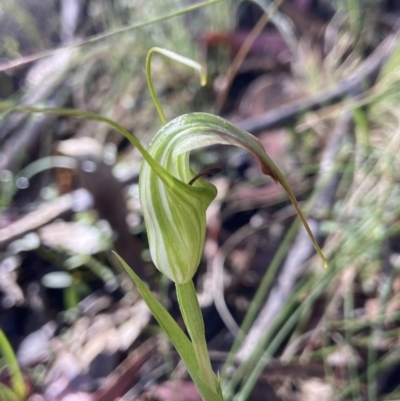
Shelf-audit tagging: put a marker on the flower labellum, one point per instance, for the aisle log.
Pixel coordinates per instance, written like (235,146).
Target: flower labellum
(174,201)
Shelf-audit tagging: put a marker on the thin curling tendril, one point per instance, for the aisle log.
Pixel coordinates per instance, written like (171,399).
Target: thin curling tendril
(176,57)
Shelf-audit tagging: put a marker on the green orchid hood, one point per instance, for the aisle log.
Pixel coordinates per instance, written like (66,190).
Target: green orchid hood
(173,210)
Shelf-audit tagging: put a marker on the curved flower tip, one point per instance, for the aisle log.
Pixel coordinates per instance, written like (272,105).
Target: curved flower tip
(174,200)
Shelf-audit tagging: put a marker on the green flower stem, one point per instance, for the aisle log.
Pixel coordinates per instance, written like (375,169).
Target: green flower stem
(193,318)
(173,56)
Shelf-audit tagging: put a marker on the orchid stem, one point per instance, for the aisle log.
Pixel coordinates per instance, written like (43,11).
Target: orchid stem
(193,318)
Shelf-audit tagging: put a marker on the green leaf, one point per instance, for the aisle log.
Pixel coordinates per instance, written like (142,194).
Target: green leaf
(17,381)
(174,333)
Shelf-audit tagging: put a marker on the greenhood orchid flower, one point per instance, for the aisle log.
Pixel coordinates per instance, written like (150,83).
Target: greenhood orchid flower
(174,210)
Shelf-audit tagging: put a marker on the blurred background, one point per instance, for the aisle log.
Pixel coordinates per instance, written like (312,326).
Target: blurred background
(318,82)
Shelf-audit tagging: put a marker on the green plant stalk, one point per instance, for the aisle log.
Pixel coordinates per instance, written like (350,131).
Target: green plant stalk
(177,337)
(355,19)
(17,381)
(6,188)
(71,297)
(98,268)
(193,318)
(176,57)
